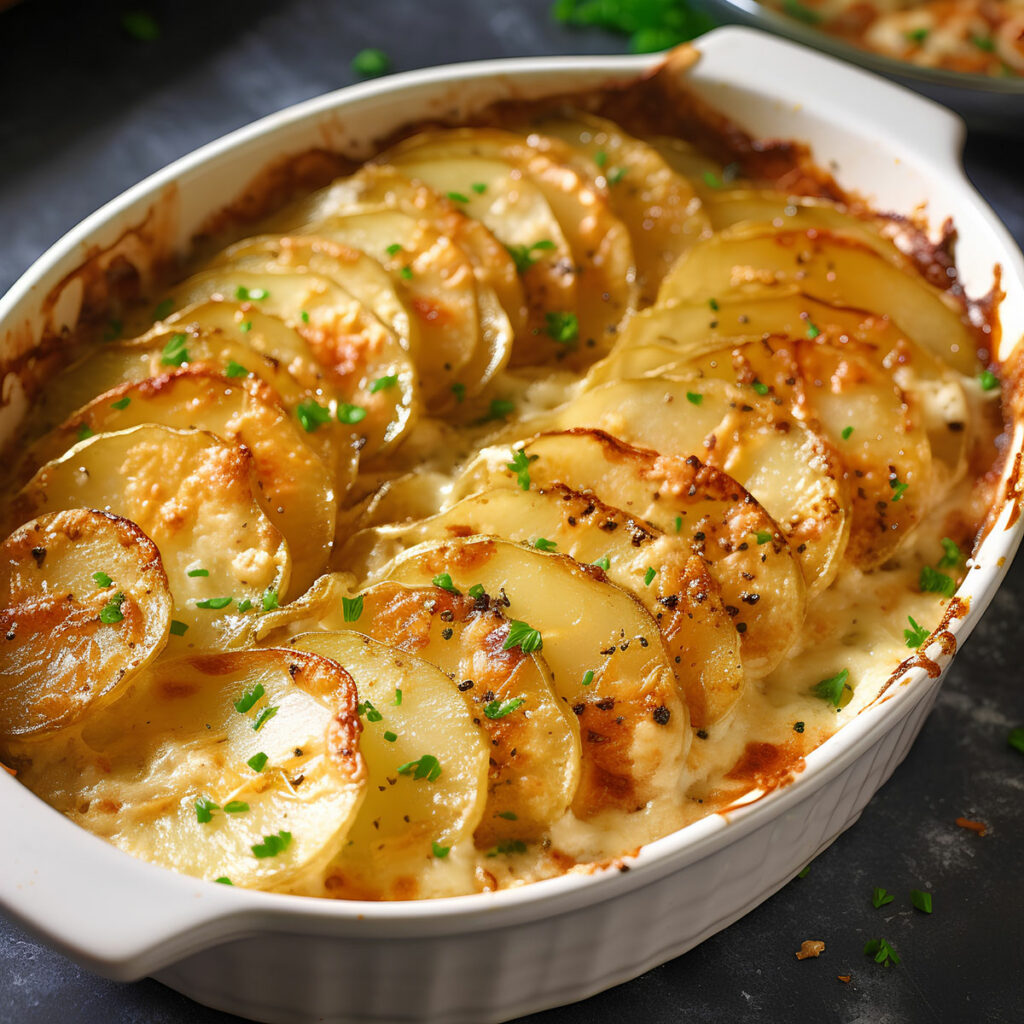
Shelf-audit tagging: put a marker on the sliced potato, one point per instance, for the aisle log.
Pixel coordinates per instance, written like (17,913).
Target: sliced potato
(659,206)
(832,268)
(632,718)
(426,786)
(192,494)
(788,468)
(532,737)
(72,640)
(599,242)
(684,599)
(176,774)
(295,489)
(364,360)
(706,174)
(375,188)
(464,342)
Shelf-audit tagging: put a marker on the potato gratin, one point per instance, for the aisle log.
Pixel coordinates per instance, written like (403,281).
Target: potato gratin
(505,505)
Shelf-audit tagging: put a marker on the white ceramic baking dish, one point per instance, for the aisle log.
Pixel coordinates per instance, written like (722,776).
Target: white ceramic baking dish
(494,956)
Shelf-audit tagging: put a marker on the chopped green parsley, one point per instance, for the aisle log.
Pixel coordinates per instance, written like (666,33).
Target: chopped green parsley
(273,845)
(512,846)
(920,900)
(444,581)
(604,562)
(204,810)
(520,466)
(649,576)
(102,579)
(931,581)
(543,544)
(523,255)
(588,677)
(198,572)
(163,308)
(235,370)
(458,197)
(763,536)
(111,611)
(500,409)
(406,273)
(121,403)
(258,761)
(269,600)
(476,591)
(615,175)
(352,608)
(215,603)
(85,432)
(426,767)
(244,294)
(393,249)
(247,700)
(312,415)
(236,807)
(694,397)
(440,852)
(916,635)
(563,327)
(833,688)
(879,898)
(898,488)
(383,383)
(847,431)
(390,736)
(178,628)
(479,187)
(801,12)
(350,414)
(523,636)
(499,709)
(264,716)
(174,353)
(881,952)
(761,389)
(916,35)
(365,708)
(988,380)
(812,330)
(459,391)
(951,554)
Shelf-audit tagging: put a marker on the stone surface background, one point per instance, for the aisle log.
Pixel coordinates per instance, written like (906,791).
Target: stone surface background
(86,111)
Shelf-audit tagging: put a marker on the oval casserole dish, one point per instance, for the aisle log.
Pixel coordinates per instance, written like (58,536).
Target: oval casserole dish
(494,956)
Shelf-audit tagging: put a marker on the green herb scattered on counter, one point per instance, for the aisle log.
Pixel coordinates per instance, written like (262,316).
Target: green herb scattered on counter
(440,852)
(273,845)
(499,709)
(111,611)
(520,466)
(1016,739)
(651,25)
(258,761)
(383,383)
(523,636)
(563,327)
(426,767)
(352,608)
(312,415)
(371,63)
(523,255)
(833,688)
(880,897)
(247,700)
(806,871)
(174,353)
(214,603)
(881,952)
(141,25)
(931,581)
(543,544)
(102,579)
(204,810)
(916,635)
(921,900)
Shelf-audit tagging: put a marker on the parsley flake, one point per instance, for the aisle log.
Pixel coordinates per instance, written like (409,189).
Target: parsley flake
(367,709)
(350,414)
(121,403)
(679,523)
(85,432)
(833,688)
(459,391)
(694,397)
(880,898)
(761,389)
(269,600)
(563,327)
(244,294)
(312,415)
(102,579)
(1015,738)
(916,635)
(405,273)
(235,370)
(801,12)
(458,197)
(499,709)
(523,636)
(512,846)
(264,716)
(588,677)
(426,767)
(245,327)
(931,581)
(390,736)
(174,353)
(198,572)
(383,383)
(805,872)
(713,303)
(847,431)
(111,611)
(763,536)
(444,581)
(950,554)
(244,606)
(247,700)
(393,249)
(215,603)
(508,815)
(258,761)
(600,158)
(520,466)
(615,175)
(224,880)
(352,608)
(812,330)
(500,409)
(898,488)
(916,35)
(476,591)
(881,952)
(711,179)
(397,702)
(523,255)
(440,852)
(304,316)
(178,628)
(236,807)
(162,309)
(604,562)
(920,900)
(543,544)
(204,810)
(649,576)
(273,845)
(988,380)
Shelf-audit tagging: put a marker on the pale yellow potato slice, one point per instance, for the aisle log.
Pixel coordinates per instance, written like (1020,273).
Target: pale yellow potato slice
(684,599)
(787,467)
(599,242)
(364,360)
(374,188)
(84,605)
(660,208)
(360,274)
(695,328)
(193,495)
(176,774)
(463,342)
(694,509)
(295,490)
(832,268)
(532,736)
(632,716)
(427,787)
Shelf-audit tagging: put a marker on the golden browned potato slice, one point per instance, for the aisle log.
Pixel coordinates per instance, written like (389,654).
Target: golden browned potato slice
(295,488)
(693,328)
(683,598)
(599,242)
(632,717)
(376,188)
(241,766)
(193,495)
(659,206)
(788,468)
(532,736)
(694,509)
(364,360)
(832,268)
(84,605)
(466,338)
(427,775)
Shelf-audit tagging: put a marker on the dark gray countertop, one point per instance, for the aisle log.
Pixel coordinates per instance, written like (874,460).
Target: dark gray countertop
(86,112)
